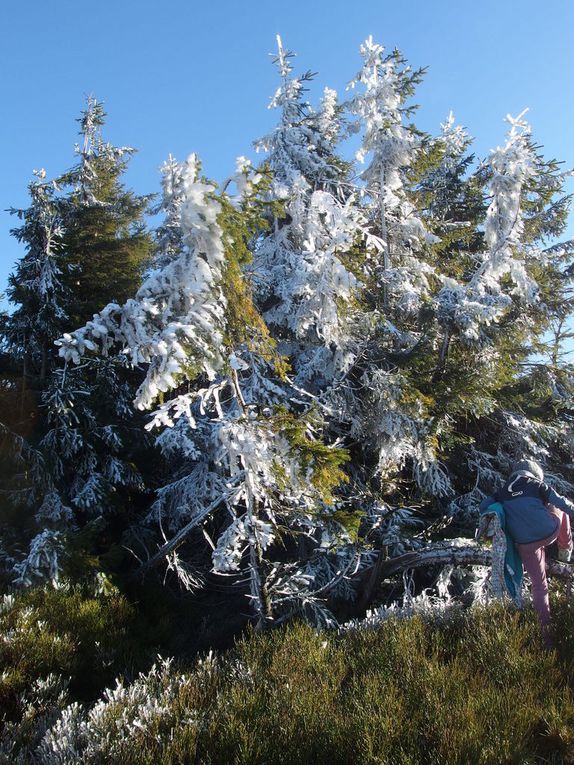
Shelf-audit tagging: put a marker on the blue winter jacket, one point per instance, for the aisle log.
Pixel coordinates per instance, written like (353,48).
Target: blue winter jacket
(525,501)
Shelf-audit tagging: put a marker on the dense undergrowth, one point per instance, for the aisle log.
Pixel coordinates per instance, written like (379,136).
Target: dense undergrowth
(473,687)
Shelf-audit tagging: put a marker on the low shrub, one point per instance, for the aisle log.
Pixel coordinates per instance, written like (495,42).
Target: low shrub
(87,640)
(476,687)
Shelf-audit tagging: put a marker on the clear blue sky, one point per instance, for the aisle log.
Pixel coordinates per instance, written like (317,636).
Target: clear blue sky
(178,76)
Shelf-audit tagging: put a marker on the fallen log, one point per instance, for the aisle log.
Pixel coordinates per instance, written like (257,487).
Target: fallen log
(439,554)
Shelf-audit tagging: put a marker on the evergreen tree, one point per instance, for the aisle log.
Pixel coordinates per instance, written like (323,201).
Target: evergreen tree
(301,280)
(29,355)
(77,432)
(106,246)
(36,287)
(324,350)
(386,419)
(243,470)
(391,145)
(492,318)
(428,372)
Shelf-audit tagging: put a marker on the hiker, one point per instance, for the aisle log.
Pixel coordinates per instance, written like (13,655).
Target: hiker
(535,516)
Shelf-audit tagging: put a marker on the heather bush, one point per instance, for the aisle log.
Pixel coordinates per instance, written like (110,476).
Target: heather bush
(463,686)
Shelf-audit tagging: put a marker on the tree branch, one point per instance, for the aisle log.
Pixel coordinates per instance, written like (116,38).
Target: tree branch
(181,535)
(438,554)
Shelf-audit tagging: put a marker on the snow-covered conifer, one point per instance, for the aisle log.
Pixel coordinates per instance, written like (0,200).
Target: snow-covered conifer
(85,240)
(386,82)
(175,322)
(300,308)
(231,450)
(495,317)
(486,297)
(301,280)
(93,154)
(168,234)
(36,286)
(106,245)
(397,280)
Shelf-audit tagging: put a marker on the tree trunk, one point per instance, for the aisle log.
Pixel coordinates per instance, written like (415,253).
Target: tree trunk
(44,366)
(384,238)
(439,371)
(265,612)
(24,377)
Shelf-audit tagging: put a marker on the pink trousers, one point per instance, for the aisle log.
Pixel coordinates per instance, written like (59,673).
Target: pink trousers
(534,560)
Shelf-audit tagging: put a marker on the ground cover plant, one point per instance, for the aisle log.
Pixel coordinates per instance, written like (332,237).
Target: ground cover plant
(463,686)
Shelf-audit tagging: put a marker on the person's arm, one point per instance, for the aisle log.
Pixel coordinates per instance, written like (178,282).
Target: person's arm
(551,497)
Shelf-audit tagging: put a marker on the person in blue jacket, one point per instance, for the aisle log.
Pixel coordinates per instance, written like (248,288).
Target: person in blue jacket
(535,516)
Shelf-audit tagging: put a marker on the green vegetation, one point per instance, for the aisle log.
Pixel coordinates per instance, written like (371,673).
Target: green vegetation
(87,640)
(476,687)
(106,247)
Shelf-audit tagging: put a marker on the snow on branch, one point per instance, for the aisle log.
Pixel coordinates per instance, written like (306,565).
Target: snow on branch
(485,297)
(175,322)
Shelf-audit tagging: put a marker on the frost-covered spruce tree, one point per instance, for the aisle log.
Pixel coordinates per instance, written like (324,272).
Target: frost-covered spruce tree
(168,234)
(388,419)
(450,197)
(421,377)
(534,416)
(248,474)
(448,368)
(107,247)
(36,286)
(27,335)
(84,434)
(93,439)
(303,284)
(494,316)
(486,296)
(390,147)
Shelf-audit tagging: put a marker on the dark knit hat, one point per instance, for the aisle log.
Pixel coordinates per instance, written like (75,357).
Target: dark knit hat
(528,466)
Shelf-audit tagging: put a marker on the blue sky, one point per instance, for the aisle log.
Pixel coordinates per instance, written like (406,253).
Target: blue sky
(178,76)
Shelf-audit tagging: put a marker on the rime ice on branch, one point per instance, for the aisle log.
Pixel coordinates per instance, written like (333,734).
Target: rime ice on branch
(175,321)
(301,282)
(486,297)
(391,146)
